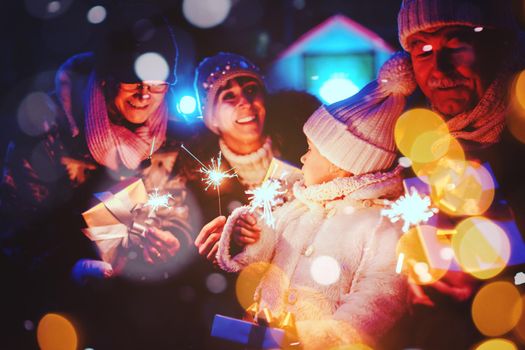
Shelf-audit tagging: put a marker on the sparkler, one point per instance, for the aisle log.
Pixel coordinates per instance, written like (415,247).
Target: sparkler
(155,201)
(412,208)
(265,197)
(213,175)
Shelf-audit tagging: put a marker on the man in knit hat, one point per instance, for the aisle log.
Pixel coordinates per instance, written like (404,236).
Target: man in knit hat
(464,54)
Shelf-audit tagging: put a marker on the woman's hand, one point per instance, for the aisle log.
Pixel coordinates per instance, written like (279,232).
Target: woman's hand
(159,245)
(207,242)
(246,231)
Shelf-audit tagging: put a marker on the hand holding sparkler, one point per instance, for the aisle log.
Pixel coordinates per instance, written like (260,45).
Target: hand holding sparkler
(246,231)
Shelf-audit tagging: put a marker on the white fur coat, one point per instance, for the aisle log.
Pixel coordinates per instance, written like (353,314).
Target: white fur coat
(340,222)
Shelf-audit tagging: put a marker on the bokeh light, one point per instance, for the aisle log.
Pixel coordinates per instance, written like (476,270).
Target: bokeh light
(216,283)
(516,118)
(47,9)
(97,14)
(352,347)
(206,13)
(497,344)
(460,188)
(496,308)
(36,113)
(422,135)
(519,89)
(28,325)
(482,248)
(187,104)
(55,332)
(325,270)
(53,6)
(519,329)
(454,158)
(249,279)
(337,89)
(151,66)
(418,245)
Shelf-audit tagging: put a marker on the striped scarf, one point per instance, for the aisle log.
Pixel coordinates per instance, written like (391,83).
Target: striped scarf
(114,145)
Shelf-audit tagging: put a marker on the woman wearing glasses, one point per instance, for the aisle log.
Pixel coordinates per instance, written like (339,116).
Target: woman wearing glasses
(110,122)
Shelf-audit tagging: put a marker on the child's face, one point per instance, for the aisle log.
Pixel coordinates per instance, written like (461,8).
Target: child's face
(317,169)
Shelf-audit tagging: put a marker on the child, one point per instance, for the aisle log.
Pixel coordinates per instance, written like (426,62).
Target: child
(331,254)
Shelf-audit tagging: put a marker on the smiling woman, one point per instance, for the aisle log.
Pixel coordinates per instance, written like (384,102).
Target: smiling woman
(249,128)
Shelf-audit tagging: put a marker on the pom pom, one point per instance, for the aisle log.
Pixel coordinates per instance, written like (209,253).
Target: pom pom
(396,76)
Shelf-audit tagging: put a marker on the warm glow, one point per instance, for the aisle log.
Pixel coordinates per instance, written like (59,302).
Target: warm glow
(519,330)
(497,308)
(516,118)
(417,259)
(250,277)
(462,189)
(482,248)
(55,332)
(454,156)
(422,135)
(497,344)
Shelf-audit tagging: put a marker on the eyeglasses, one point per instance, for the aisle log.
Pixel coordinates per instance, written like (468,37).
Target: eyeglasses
(154,88)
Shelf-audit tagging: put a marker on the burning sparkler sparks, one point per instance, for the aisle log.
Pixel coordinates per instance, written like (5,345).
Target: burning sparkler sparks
(213,175)
(412,208)
(266,197)
(155,200)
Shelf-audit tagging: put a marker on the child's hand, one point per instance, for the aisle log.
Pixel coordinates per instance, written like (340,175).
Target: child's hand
(207,242)
(245,230)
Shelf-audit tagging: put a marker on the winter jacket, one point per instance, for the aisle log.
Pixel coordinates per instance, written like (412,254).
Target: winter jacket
(332,261)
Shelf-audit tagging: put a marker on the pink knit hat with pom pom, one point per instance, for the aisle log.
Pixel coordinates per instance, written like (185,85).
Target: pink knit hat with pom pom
(357,134)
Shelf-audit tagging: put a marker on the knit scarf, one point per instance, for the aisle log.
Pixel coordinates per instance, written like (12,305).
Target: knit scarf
(250,168)
(483,125)
(114,145)
(357,188)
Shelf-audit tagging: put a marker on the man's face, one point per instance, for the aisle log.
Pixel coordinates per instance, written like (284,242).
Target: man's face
(239,111)
(138,101)
(447,67)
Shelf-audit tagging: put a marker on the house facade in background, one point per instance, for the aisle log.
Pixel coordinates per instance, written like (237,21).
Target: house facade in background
(331,61)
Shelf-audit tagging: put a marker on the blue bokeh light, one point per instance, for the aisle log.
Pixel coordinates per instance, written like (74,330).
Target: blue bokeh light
(187,105)
(336,89)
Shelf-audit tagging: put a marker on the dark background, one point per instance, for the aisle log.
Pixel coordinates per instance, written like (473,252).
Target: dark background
(34,43)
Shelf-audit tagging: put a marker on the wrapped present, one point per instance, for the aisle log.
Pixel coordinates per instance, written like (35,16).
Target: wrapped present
(436,238)
(115,217)
(259,329)
(247,333)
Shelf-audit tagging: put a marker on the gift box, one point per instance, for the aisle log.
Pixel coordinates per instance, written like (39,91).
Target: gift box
(247,333)
(111,220)
(435,239)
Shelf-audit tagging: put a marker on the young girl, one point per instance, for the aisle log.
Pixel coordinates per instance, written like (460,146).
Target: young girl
(332,255)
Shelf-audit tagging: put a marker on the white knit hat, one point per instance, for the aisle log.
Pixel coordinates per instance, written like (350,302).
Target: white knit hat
(423,15)
(357,134)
